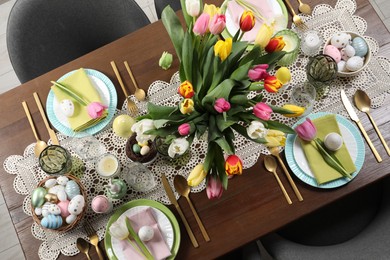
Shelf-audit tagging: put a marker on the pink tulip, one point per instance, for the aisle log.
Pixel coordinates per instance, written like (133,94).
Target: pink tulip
(95,109)
(221,105)
(259,72)
(217,24)
(307,130)
(214,188)
(184,129)
(202,24)
(262,111)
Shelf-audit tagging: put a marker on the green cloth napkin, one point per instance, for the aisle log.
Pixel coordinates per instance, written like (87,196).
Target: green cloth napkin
(79,83)
(321,170)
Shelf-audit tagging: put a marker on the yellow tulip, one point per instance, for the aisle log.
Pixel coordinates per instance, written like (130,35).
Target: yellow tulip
(223,48)
(264,35)
(187,106)
(275,138)
(211,10)
(298,111)
(196,176)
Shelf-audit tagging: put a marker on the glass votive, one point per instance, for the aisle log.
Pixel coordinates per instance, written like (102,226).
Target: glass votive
(55,159)
(138,177)
(311,43)
(108,166)
(304,95)
(88,147)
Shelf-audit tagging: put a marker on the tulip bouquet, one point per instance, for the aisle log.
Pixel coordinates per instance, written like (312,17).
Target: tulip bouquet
(221,84)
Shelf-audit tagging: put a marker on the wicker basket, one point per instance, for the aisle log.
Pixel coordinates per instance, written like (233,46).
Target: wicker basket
(65,226)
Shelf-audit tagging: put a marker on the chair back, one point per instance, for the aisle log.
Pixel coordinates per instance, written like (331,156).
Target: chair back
(161,4)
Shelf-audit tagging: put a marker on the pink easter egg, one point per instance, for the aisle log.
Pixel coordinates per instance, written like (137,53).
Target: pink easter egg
(101,204)
(63,205)
(333,52)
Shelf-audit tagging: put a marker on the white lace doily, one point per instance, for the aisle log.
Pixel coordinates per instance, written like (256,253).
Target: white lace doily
(325,19)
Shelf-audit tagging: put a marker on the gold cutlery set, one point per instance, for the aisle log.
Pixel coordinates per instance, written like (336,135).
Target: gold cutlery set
(303,8)
(40,145)
(184,190)
(363,103)
(83,244)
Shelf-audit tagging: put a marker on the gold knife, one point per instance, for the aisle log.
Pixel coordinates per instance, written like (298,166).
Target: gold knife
(354,117)
(51,132)
(173,200)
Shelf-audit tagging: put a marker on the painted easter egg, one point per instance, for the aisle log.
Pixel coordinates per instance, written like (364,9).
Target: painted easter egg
(61,195)
(76,205)
(38,197)
(63,205)
(72,189)
(62,180)
(101,204)
(38,211)
(347,52)
(54,209)
(146,233)
(50,183)
(341,66)
(333,52)
(67,107)
(45,209)
(360,46)
(145,150)
(340,40)
(355,63)
(122,126)
(52,198)
(70,219)
(55,189)
(52,221)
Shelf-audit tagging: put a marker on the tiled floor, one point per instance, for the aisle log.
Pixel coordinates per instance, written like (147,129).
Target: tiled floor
(10,248)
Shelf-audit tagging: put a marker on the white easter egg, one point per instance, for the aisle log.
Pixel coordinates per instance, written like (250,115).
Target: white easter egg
(146,233)
(333,141)
(70,219)
(340,40)
(61,195)
(355,63)
(67,107)
(45,209)
(50,183)
(341,66)
(38,211)
(56,189)
(62,180)
(76,205)
(54,209)
(349,51)
(145,150)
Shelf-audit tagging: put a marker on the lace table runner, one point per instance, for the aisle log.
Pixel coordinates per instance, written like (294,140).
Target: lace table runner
(325,19)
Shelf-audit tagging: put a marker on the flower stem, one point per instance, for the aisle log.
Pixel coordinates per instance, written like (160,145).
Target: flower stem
(70,93)
(135,247)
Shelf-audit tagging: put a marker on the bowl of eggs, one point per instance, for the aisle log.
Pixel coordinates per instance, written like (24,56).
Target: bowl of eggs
(350,51)
(58,203)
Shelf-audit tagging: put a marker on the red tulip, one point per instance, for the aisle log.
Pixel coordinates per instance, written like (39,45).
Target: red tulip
(262,111)
(233,165)
(275,44)
(247,21)
(214,188)
(272,84)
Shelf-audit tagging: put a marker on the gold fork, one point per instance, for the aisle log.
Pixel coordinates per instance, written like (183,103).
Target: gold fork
(296,19)
(131,106)
(93,238)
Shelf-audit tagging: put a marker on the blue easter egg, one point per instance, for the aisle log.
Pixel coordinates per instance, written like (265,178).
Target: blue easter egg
(52,221)
(72,189)
(360,46)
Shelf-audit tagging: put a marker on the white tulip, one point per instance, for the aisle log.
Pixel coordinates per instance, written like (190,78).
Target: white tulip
(142,126)
(256,130)
(119,230)
(178,147)
(193,7)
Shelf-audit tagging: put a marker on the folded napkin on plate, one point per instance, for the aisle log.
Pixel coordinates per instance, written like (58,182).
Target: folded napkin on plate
(79,83)
(157,245)
(321,170)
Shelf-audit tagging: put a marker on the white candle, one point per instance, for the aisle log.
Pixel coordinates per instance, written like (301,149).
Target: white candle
(107,166)
(312,40)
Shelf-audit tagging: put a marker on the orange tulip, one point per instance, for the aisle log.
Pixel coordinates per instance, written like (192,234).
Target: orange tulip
(275,44)
(186,90)
(233,165)
(247,21)
(272,84)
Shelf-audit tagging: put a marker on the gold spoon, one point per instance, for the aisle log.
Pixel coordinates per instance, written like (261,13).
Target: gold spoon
(131,106)
(83,246)
(40,145)
(275,152)
(304,8)
(270,165)
(183,189)
(139,92)
(363,103)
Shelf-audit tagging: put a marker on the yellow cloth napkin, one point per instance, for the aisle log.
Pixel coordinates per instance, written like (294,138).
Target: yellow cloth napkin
(321,170)
(79,83)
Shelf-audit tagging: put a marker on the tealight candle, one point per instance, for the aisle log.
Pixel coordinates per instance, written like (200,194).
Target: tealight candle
(311,43)
(107,166)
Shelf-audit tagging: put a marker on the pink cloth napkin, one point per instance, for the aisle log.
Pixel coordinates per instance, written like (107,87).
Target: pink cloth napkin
(157,245)
(236,11)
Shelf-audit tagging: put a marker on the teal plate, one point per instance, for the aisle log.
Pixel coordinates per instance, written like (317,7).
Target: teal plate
(143,202)
(297,161)
(107,92)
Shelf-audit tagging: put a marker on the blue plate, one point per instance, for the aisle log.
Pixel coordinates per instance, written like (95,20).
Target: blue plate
(298,163)
(107,92)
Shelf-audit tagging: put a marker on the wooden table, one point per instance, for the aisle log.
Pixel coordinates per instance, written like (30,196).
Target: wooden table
(252,206)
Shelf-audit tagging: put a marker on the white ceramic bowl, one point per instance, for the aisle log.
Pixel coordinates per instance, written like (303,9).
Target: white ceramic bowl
(367,58)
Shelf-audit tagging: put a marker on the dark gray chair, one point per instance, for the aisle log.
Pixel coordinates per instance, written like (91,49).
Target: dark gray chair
(357,227)
(43,35)
(161,4)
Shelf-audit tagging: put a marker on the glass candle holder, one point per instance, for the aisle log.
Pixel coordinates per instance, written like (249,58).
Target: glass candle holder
(55,159)
(304,95)
(108,166)
(311,43)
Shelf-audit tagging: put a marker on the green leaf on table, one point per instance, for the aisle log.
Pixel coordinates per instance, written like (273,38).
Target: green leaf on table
(174,28)
(280,110)
(279,126)
(222,124)
(224,145)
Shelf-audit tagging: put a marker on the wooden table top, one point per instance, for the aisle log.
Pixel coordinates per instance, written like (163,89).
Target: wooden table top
(252,206)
